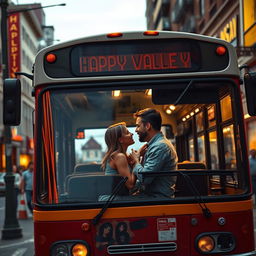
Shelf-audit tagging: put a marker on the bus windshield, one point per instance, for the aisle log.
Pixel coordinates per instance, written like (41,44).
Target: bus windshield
(199,117)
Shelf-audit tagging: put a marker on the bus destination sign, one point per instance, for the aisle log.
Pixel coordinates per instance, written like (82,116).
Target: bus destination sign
(135,57)
(135,62)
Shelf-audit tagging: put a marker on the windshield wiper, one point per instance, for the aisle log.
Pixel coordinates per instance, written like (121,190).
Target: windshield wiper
(206,212)
(97,218)
(183,93)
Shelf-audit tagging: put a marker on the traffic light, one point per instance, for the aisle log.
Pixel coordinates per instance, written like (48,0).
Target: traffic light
(11,101)
(250,90)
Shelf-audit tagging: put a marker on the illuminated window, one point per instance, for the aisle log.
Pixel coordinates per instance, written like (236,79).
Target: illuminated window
(211,116)
(229,147)
(214,150)
(252,135)
(226,110)
(201,149)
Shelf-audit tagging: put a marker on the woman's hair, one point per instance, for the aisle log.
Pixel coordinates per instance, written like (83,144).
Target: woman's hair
(112,135)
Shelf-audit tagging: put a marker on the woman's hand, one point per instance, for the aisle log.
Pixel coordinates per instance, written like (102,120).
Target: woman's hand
(135,156)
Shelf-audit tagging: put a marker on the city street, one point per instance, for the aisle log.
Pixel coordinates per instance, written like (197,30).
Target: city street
(24,246)
(17,247)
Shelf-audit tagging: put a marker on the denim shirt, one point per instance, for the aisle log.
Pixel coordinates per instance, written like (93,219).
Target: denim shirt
(160,157)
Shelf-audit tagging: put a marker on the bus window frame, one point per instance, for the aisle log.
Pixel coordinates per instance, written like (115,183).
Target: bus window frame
(94,86)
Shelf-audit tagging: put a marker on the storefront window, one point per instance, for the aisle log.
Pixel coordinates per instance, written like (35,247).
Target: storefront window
(191,150)
(201,149)
(229,147)
(214,150)
(252,135)
(226,110)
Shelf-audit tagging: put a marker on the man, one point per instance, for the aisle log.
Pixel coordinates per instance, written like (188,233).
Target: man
(160,155)
(27,185)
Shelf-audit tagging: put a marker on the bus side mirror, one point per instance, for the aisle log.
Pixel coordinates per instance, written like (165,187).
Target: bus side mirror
(250,91)
(11,101)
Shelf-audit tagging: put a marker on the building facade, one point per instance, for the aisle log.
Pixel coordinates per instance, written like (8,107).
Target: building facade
(230,20)
(25,32)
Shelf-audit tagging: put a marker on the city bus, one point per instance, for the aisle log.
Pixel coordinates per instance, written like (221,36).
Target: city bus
(83,86)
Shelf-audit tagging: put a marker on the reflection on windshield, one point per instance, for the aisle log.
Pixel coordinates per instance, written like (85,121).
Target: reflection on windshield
(74,125)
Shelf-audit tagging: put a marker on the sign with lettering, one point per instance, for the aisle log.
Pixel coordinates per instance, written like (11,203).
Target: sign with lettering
(135,57)
(229,32)
(131,62)
(14,44)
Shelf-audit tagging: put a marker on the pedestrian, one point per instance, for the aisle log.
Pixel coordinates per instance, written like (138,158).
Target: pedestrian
(27,185)
(160,155)
(252,161)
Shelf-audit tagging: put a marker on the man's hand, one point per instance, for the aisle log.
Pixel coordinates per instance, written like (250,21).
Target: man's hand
(135,156)
(143,150)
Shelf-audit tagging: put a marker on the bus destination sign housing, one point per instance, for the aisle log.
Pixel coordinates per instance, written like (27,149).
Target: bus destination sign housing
(135,57)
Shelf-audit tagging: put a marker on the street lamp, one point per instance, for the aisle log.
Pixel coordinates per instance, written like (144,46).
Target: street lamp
(11,227)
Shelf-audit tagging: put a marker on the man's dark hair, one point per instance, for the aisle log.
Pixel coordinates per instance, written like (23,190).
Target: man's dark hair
(150,115)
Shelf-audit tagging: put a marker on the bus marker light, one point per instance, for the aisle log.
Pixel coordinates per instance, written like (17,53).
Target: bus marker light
(79,250)
(85,227)
(51,58)
(221,50)
(151,33)
(116,34)
(206,244)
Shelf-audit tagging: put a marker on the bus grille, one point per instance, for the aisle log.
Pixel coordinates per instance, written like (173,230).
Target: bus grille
(142,248)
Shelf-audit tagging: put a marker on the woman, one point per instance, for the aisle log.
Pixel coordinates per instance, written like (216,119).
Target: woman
(116,161)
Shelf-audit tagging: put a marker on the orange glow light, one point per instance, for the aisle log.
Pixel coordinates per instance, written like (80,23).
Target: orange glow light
(221,50)
(151,33)
(79,250)
(116,34)
(51,58)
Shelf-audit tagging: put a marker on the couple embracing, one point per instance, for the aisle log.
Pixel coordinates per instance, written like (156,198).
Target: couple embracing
(158,155)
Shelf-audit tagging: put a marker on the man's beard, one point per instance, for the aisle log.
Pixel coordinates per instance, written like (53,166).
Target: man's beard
(142,136)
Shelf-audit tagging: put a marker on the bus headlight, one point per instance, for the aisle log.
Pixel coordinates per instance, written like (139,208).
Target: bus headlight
(70,248)
(60,250)
(79,250)
(215,242)
(205,244)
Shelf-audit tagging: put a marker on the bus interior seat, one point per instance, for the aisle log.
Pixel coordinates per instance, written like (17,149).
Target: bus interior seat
(87,168)
(200,181)
(89,188)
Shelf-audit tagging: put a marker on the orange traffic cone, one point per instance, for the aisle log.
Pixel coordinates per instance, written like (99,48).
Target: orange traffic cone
(22,208)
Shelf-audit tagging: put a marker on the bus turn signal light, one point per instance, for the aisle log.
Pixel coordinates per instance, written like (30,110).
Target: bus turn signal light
(51,58)
(79,250)
(221,50)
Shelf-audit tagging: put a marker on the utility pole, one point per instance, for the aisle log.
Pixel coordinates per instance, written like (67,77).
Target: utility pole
(11,227)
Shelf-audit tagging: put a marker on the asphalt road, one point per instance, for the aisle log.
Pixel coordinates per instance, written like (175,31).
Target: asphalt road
(17,247)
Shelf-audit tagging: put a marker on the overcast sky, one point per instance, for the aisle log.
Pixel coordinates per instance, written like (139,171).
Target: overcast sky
(91,17)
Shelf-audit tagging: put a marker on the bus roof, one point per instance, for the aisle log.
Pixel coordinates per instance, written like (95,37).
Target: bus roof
(41,76)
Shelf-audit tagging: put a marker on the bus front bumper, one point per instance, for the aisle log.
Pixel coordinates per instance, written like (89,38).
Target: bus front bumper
(253,253)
